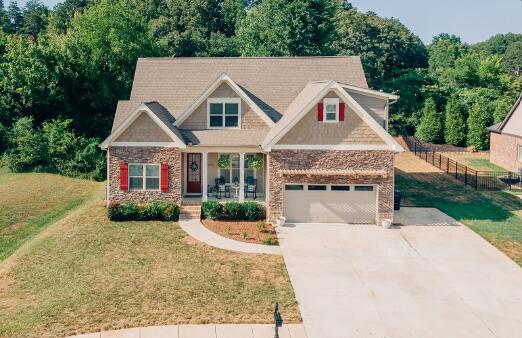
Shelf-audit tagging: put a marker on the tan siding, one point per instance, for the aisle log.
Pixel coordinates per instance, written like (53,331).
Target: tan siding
(514,124)
(353,130)
(249,119)
(374,106)
(144,129)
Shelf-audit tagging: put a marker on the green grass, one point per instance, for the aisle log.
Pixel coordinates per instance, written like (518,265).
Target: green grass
(87,274)
(30,202)
(494,215)
(482,164)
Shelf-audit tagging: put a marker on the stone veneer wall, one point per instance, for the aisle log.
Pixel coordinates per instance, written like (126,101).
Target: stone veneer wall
(320,159)
(504,151)
(172,156)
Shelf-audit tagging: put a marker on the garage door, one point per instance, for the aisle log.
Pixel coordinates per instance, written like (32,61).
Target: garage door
(307,203)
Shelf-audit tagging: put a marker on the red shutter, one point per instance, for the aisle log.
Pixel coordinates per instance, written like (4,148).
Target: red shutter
(164,177)
(341,111)
(320,111)
(124,176)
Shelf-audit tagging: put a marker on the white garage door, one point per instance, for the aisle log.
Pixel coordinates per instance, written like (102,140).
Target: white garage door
(330,203)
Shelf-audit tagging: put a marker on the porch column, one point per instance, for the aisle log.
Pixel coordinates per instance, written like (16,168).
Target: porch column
(241,177)
(204,176)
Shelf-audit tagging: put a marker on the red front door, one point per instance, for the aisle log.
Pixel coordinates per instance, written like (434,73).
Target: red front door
(194,173)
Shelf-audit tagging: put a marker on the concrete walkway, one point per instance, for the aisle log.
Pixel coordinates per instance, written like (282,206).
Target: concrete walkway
(198,231)
(432,277)
(203,331)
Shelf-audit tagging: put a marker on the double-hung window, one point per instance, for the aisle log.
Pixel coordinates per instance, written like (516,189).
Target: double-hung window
(520,153)
(224,113)
(331,110)
(144,176)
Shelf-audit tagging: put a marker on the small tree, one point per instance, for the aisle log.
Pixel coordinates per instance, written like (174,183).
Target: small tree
(478,122)
(431,126)
(502,108)
(455,124)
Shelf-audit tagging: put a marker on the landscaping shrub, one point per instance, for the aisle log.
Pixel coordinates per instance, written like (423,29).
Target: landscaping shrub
(126,211)
(234,210)
(171,212)
(212,210)
(153,211)
(253,211)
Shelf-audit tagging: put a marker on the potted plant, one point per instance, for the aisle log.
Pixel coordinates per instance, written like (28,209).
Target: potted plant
(255,162)
(223,162)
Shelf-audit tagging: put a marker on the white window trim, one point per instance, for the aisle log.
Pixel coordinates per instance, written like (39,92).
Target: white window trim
(144,177)
(520,153)
(224,101)
(231,178)
(331,101)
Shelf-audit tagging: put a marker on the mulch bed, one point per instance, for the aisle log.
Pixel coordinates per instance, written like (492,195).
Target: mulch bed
(244,231)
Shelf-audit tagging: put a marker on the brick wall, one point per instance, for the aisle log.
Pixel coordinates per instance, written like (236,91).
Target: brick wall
(172,156)
(312,159)
(504,151)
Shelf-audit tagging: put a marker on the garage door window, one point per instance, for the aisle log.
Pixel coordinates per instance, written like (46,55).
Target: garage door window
(317,187)
(340,188)
(294,187)
(363,188)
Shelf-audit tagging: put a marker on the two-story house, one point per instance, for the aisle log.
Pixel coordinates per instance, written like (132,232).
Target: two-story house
(315,132)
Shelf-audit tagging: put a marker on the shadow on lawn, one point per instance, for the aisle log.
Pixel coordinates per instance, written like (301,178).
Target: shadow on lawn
(460,201)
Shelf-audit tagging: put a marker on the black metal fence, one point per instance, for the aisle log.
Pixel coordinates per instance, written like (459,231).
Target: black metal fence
(478,179)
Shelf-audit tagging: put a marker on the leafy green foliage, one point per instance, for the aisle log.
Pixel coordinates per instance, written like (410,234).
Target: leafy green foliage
(508,47)
(212,210)
(253,211)
(431,126)
(126,211)
(455,123)
(153,211)
(53,148)
(384,45)
(502,108)
(478,122)
(234,210)
(287,28)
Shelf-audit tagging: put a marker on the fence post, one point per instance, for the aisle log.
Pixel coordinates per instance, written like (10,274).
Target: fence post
(415,148)
(447,165)
(433,158)
(466,175)
(476,180)
(456,170)
(440,161)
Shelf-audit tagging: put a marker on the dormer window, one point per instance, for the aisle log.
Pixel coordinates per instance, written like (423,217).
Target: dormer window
(224,113)
(331,110)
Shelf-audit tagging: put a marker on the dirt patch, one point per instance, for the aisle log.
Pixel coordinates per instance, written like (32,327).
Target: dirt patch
(409,163)
(511,248)
(251,232)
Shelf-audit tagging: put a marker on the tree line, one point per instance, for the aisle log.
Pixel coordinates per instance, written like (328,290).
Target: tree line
(74,62)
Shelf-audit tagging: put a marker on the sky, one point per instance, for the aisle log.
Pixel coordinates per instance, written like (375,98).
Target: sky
(472,20)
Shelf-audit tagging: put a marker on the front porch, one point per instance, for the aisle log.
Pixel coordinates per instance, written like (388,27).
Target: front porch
(223,175)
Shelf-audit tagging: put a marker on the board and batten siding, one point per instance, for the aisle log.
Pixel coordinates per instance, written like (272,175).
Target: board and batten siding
(198,119)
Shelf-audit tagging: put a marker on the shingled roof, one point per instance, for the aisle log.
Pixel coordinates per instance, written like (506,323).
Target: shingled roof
(272,83)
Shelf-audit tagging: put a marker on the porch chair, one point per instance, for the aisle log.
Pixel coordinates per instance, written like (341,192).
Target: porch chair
(251,187)
(221,188)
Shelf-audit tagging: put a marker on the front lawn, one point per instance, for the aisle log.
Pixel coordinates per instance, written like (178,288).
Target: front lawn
(87,274)
(30,202)
(497,216)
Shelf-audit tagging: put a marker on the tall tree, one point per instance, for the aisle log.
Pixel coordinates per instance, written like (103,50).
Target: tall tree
(431,126)
(385,46)
(281,27)
(455,123)
(15,17)
(478,122)
(512,58)
(4,18)
(34,18)
(62,14)
(197,27)
(100,50)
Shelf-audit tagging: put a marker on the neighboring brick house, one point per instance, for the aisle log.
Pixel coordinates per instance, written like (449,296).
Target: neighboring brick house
(194,125)
(506,140)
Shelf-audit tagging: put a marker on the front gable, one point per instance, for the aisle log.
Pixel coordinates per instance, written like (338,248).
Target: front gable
(143,129)
(352,130)
(198,119)
(513,122)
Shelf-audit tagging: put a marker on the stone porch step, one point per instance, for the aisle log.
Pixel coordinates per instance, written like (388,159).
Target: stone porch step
(190,211)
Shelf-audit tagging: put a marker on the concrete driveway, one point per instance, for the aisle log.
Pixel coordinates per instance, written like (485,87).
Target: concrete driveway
(431,278)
